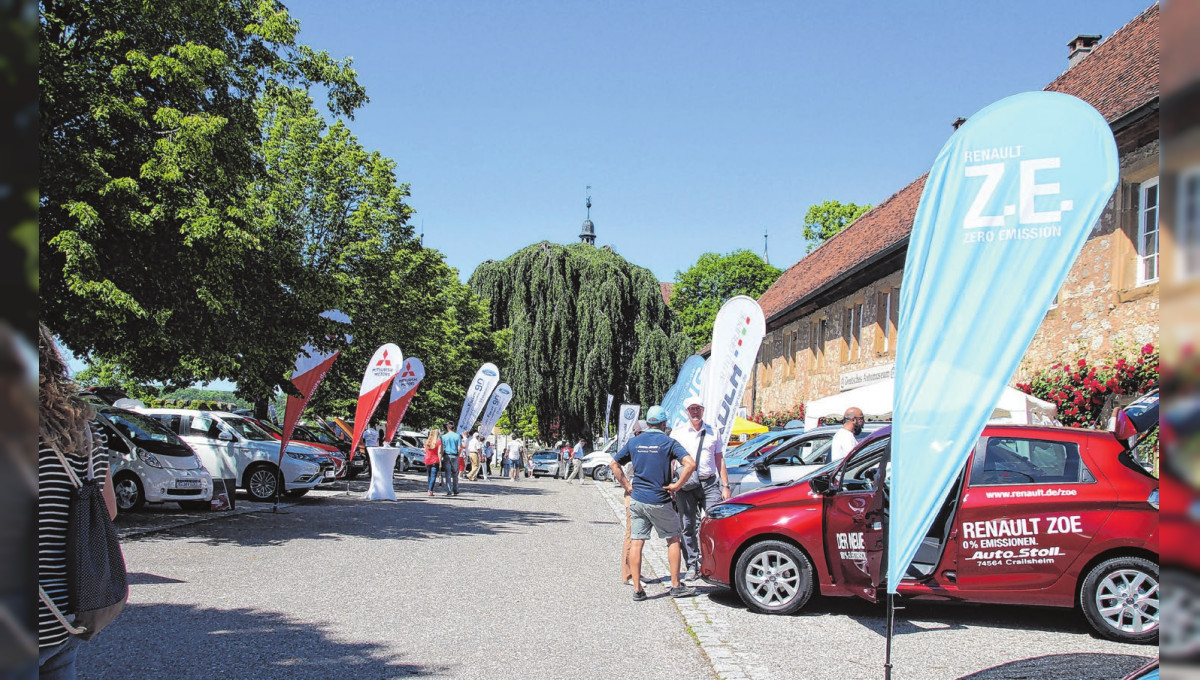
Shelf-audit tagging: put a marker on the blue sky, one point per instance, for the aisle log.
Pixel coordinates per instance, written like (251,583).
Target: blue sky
(698,125)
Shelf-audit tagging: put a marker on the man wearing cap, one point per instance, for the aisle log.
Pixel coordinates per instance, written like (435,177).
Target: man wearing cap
(652,453)
(710,484)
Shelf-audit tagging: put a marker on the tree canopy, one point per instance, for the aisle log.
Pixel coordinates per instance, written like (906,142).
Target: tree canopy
(828,218)
(585,323)
(702,289)
(199,211)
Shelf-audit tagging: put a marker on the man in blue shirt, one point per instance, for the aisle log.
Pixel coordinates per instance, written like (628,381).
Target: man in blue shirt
(651,489)
(451,444)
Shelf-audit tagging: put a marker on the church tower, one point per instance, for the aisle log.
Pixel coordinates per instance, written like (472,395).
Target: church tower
(588,233)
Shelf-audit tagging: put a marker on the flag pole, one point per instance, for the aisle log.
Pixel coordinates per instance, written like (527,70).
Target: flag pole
(891,620)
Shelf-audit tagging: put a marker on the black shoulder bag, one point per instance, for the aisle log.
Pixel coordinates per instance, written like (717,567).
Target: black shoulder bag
(96,584)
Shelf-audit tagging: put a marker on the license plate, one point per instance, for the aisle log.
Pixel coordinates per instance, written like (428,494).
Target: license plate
(329,474)
(187,483)
(359,463)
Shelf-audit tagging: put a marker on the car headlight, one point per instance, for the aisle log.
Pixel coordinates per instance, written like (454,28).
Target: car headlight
(728,510)
(1153,499)
(149,459)
(306,457)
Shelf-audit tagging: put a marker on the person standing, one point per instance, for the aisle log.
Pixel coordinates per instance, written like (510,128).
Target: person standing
(651,488)
(451,444)
(514,458)
(433,456)
(627,568)
(489,452)
(65,438)
(711,485)
(370,436)
(576,462)
(845,439)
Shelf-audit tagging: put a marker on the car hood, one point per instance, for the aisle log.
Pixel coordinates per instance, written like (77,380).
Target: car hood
(784,492)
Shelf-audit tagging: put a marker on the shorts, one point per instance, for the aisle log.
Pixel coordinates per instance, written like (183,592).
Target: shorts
(662,517)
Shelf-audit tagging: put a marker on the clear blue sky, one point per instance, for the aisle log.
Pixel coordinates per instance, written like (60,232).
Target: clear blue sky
(698,125)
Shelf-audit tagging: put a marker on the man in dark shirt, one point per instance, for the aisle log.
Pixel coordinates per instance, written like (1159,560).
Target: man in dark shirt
(651,489)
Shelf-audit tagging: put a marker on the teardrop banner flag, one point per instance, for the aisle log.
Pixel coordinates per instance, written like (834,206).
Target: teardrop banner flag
(607,416)
(687,384)
(737,334)
(628,416)
(404,386)
(311,367)
(495,406)
(378,376)
(478,393)
(1007,207)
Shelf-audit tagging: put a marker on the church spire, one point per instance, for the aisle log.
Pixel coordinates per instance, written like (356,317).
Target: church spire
(588,233)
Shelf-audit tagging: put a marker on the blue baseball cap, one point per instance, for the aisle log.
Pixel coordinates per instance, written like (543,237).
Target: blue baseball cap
(656,415)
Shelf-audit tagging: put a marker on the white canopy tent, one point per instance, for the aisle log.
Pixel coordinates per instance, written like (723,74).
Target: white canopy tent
(875,400)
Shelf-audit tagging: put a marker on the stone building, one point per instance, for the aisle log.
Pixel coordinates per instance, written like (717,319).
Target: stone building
(831,318)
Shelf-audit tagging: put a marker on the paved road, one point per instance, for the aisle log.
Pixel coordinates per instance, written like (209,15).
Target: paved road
(511,580)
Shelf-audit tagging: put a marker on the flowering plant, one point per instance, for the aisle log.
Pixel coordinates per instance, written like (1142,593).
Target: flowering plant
(1080,388)
(778,418)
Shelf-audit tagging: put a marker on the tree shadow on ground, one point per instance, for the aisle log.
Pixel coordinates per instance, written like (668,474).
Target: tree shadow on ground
(336,517)
(916,617)
(1064,666)
(186,641)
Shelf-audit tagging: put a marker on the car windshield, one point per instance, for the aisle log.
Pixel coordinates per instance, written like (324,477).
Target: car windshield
(545,457)
(748,445)
(247,429)
(269,427)
(314,434)
(147,433)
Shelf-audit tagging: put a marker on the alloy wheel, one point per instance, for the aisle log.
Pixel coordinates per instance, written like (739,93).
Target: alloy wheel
(1127,599)
(772,578)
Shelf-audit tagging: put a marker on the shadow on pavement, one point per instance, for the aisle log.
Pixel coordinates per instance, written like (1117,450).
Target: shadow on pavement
(185,641)
(1082,665)
(336,517)
(137,578)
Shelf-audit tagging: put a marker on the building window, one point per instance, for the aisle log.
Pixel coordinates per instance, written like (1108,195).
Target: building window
(818,344)
(1147,241)
(887,306)
(1188,220)
(856,325)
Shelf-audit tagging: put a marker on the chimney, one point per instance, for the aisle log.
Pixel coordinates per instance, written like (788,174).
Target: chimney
(1080,47)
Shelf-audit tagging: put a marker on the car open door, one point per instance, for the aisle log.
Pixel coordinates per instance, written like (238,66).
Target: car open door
(855,520)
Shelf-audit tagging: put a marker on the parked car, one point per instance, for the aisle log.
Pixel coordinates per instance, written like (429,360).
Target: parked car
(1179,524)
(798,456)
(762,444)
(1040,516)
(151,463)
(360,463)
(412,450)
(329,452)
(595,464)
(545,464)
(233,447)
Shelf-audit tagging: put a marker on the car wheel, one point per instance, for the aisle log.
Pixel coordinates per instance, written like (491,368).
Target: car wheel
(1180,638)
(773,577)
(601,473)
(196,505)
(262,482)
(295,493)
(1119,597)
(129,492)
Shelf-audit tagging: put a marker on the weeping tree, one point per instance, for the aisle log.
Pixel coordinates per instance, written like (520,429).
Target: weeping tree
(584,323)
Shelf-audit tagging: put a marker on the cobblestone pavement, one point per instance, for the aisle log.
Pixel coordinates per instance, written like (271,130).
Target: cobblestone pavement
(844,637)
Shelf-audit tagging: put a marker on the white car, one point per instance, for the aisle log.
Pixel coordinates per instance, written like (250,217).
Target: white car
(232,447)
(151,463)
(595,464)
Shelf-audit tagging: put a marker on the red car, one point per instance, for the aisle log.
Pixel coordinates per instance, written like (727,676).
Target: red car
(1040,516)
(304,436)
(1180,526)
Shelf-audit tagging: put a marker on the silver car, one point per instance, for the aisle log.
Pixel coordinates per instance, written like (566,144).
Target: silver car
(545,464)
(797,457)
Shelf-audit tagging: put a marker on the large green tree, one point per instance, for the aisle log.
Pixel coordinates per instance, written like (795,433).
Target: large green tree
(585,323)
(154,249)
(826,219)
(702,289)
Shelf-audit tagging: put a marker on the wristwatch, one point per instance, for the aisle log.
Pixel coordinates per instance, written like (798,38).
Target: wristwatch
(724,486)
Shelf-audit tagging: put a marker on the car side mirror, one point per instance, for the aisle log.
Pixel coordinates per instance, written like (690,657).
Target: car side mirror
(225,436)
(823,484)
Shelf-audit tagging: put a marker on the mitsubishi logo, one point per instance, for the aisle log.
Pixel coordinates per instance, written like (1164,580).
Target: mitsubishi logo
(408,372)
(384,361)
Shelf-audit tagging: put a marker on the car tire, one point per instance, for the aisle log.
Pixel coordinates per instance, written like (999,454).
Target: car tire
(195,505)
(262,481)
(1180,639)
(131,496)
(601,473)
(1120,599)
(774,577)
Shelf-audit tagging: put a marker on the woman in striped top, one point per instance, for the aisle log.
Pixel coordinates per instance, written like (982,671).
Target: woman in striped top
(63,417)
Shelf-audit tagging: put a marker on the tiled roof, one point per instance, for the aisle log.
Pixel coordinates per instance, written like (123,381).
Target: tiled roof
(666,288)
(1120,75)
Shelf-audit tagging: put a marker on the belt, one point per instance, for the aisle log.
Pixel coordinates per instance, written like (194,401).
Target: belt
(705,479)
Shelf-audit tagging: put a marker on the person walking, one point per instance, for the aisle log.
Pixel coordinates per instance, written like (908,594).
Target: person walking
(475,452)
(845,439)
(451,445)
(709,486)
(489,452)
(69,447)
(651,489)
(433,456)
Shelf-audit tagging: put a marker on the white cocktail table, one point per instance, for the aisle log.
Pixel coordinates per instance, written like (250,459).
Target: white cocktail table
(383,465)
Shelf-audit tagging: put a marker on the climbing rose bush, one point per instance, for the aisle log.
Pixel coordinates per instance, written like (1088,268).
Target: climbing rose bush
(1080,388)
